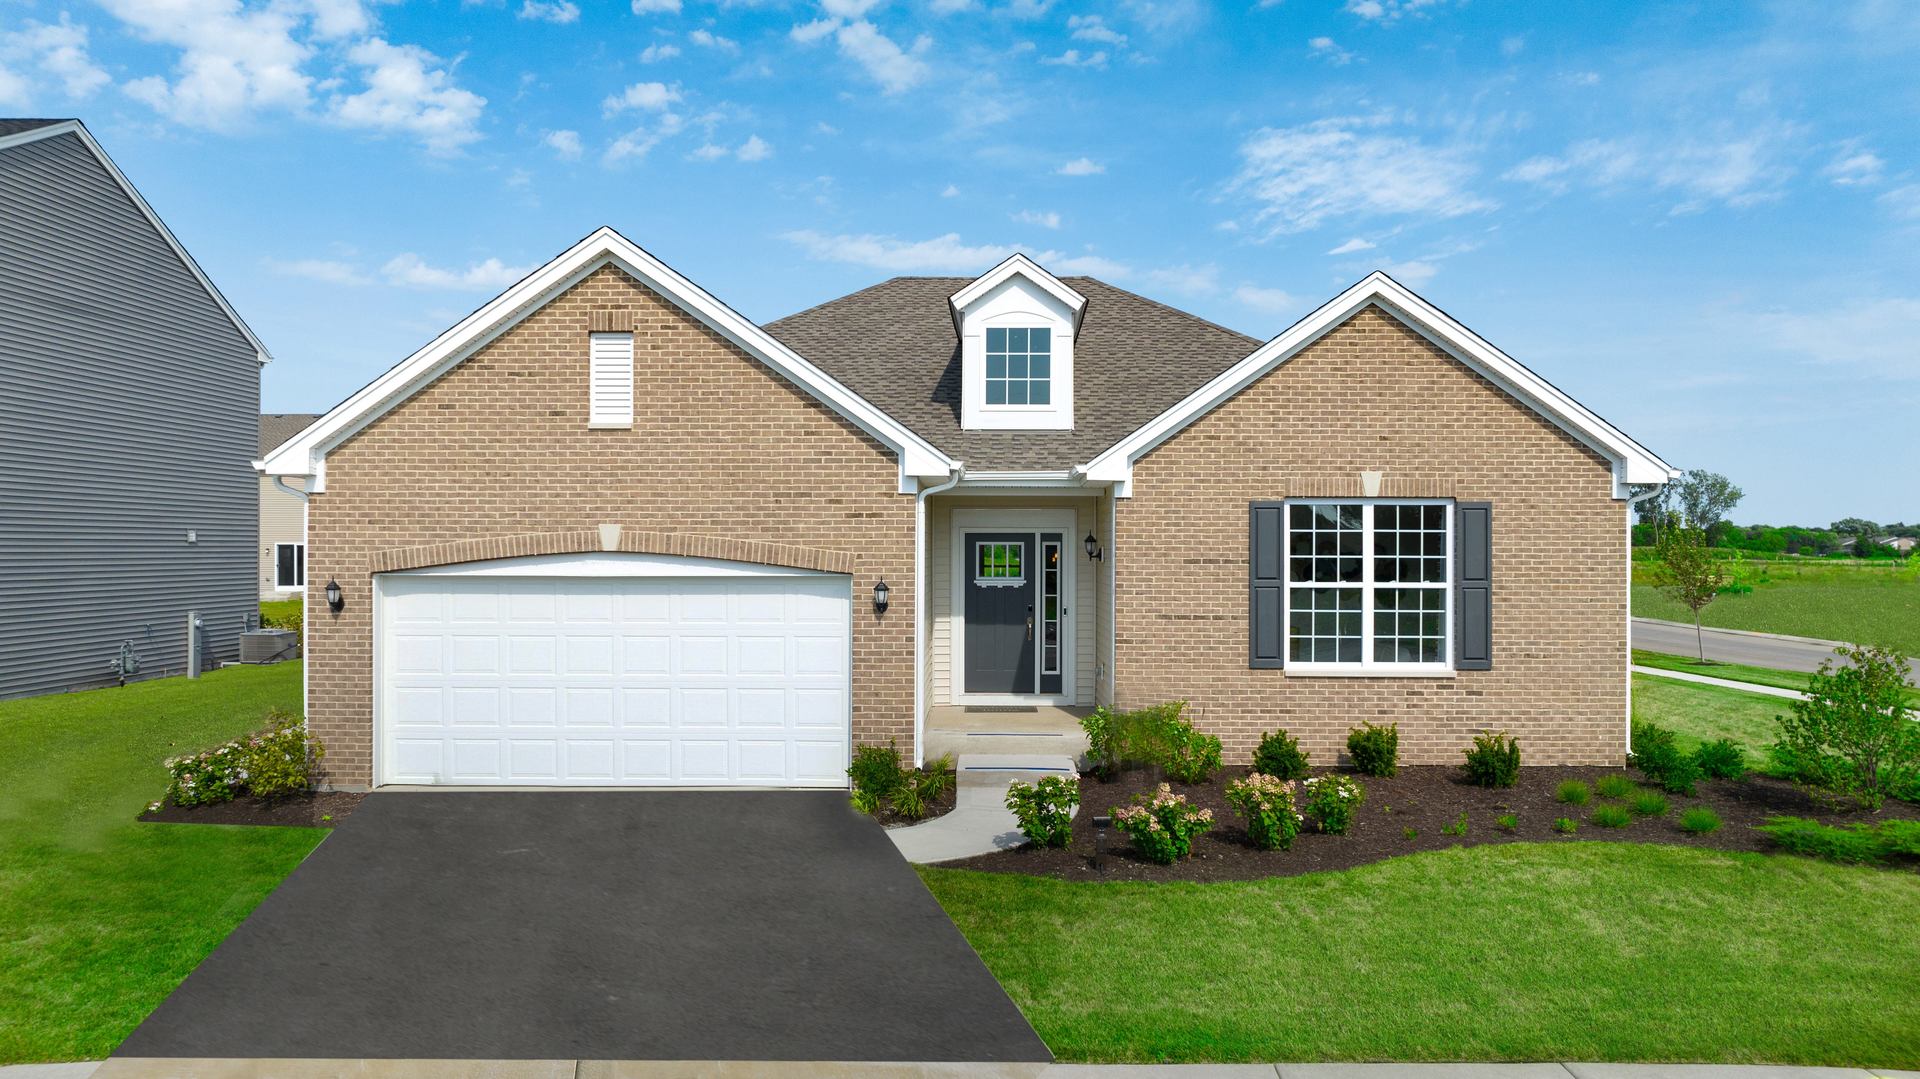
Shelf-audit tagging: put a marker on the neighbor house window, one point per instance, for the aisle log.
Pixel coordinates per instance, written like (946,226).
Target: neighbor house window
(999,563)
(610,377)
(1019,366)
(289,565)
(1368,584)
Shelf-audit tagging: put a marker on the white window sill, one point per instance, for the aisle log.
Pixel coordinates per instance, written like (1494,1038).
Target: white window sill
(609,425)
(1355,670)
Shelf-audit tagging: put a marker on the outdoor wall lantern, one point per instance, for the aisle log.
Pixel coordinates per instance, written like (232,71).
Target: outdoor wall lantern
(880,593)
(335,600)
(1094,553)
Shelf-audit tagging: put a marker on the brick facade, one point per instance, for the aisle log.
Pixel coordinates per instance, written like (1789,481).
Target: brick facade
(1374,395)
(725,459)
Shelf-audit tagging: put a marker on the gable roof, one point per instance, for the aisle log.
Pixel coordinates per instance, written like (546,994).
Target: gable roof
(1018,265)
(894,344)
(21,132)
(1632,462)
(305,454)
(277,427)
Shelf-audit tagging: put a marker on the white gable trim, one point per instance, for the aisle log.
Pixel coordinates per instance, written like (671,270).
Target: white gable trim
(75,127)
(1632,462)
(305,454)
(1022,266)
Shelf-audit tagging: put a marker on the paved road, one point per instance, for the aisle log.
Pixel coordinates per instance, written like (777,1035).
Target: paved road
(1754,650)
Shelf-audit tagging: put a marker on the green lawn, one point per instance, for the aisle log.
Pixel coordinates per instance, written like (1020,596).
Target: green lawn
(101,916)
(1699,713)
(1734,672)
(1588,951)
(1865,604)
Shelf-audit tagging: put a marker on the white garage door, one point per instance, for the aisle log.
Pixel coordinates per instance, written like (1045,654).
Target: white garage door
(613,670)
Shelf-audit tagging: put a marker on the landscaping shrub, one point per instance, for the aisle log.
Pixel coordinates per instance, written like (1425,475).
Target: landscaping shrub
(1330,801)
(1507,822)
(1613,785)
(1458,827)
(1610,816)
(276,763)
(1279,755)
(1162,827)
(1573,792)
(1105,740)
(1267,803)
(1190,756)
(1159,735)
(1853,736)
(1375,750)
(1494,760)
(1699,821)
(1045,809)
(876,773)
(920,788)
(1565,825)
(1900,837)
(1649,804)
(1721,758)
(1858,843)
(1655,754)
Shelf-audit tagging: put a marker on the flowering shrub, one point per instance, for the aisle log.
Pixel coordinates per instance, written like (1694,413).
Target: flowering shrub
(1045,809)
(1266,803)
(1331,801)
(1163,827)
(276,763)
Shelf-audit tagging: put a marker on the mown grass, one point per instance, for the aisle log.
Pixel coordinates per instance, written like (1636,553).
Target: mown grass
(1697,713)
(1734,672)
(100,915)
(1587,951)
(1862,604)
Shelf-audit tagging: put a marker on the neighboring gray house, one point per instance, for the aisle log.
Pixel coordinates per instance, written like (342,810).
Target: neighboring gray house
(283,516)
(128,416)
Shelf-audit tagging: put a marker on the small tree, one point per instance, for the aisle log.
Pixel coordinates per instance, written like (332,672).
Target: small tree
(1704,498)
(1690,574)
(1853,734)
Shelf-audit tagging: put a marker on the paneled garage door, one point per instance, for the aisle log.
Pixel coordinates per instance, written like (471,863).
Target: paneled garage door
(613,670)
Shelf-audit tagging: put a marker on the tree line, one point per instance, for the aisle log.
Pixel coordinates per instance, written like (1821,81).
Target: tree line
(1701,500)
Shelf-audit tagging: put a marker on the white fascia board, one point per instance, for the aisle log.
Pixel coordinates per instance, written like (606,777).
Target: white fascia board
(1065,477)
(1633,463)
(75,127)
(305,453)
(1020,265)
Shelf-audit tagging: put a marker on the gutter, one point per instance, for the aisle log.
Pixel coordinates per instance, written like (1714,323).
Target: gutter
(920,607)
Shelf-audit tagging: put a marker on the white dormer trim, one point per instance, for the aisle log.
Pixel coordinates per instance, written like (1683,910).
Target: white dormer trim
(306,453)
(1632,462)
(1021,266)
(1018,297)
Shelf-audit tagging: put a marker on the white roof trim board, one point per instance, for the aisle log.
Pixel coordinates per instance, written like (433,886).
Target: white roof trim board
(75,127)
(1022,266)
(1632,462)
(305,454)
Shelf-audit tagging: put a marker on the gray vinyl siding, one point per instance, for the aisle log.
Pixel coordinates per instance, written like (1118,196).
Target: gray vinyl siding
(128,416)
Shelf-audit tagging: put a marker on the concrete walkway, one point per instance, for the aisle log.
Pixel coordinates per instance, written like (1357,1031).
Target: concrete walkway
(187,1068)
(1775,650)
(979,822)
(1723,683)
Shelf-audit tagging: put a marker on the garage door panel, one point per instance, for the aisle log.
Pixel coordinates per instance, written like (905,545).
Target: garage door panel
(614,680)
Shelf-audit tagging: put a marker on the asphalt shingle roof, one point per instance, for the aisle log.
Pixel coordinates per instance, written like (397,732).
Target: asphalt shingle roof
(277,427)
(894,345)
(16,126)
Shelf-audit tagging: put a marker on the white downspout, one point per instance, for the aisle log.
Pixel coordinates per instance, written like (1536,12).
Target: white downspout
(920,609)
(306,615)
(1632,501)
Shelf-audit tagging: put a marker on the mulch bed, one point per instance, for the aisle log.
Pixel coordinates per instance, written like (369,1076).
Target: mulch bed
(1422,798)
(940,807)
(317,809)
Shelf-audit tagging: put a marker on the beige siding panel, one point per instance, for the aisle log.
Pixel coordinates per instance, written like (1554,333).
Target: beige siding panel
(283,519)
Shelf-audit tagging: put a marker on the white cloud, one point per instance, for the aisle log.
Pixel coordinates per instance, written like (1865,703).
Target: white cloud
(329,271)
(1091,265)
(754,149)
(1073,58)
(1855,168)
(848,9)
(407,91)
(412,271)
(1513,46)
(641,140)
(1413,272)
(1189,280)
(942,254)
(707,39)
(1903,201)
(653,54)
(1736,171)
(649,96)
(821,127)
(1584,78)
(1876,335)
(1351,246)
(1386,11)
(58,50)
(1094,28)
(951,191)
(1329,50)
(709,152)
(557,11)
(1049,219)
(950,7)
(1081,166)
(565,143)
(808,33)
(1339,168)
(1269,300)
(656,7)
(233,61)
(895,69)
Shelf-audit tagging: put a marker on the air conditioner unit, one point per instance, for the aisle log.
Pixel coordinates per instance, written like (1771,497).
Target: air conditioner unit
(268,645)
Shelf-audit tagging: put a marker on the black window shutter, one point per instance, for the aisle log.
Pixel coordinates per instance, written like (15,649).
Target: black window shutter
(1266,576)
(1473,587)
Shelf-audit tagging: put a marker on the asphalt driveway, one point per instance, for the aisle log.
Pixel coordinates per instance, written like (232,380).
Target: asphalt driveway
(724,925)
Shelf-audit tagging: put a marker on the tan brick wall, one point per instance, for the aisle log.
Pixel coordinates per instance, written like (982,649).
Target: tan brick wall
(721,447)
(1374,395)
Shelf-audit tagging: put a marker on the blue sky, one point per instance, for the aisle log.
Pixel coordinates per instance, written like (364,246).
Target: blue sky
(1701,220)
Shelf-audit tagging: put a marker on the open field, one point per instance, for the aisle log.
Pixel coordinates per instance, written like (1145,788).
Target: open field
(101,916)
(1866,604)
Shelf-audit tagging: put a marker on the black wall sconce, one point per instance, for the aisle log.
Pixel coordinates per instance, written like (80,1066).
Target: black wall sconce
(335,600)
(1094,553)
(880,594)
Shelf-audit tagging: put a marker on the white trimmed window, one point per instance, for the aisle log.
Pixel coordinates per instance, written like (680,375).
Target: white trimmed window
(1369,585)
(1019,367)
(611,379)
(289,566)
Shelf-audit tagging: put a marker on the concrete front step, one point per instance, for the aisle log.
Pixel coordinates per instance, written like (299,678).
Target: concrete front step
(996,770)
(998,741)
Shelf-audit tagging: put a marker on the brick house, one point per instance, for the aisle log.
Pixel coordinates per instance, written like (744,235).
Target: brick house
(607,531)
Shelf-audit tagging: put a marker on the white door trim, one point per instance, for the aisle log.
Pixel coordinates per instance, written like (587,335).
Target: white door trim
(1032,521)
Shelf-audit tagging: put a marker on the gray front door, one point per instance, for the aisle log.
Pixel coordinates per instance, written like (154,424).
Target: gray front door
(1000,616)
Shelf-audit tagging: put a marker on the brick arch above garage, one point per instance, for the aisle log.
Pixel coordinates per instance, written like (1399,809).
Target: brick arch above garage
(627,541)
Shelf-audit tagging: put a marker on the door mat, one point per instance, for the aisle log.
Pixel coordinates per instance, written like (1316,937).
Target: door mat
(1000,708)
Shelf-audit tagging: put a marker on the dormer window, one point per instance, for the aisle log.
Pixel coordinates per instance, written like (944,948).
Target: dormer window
(1019,366)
